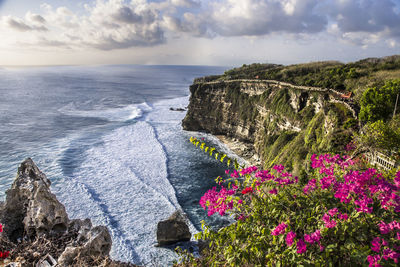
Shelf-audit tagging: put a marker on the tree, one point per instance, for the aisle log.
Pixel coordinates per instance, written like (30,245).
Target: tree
(378,103)
(380,136)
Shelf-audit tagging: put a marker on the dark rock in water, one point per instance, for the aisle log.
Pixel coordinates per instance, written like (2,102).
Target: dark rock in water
(173,230)
(177,109)
(32,213)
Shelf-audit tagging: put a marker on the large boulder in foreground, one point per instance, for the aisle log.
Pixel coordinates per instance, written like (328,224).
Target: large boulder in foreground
(30,207)
(33,214)
(173,230)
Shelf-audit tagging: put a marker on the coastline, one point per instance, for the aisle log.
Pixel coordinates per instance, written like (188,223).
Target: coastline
(244,151)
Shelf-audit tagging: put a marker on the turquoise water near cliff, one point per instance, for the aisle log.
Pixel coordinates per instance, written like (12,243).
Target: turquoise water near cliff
(113,149)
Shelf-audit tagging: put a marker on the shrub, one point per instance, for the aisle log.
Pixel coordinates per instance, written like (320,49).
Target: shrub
(341,217)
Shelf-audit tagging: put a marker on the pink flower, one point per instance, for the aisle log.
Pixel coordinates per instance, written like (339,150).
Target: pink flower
(280,229)
(343,216)
(333,212)
(326,218)
(273,191)
(313,237)
(278,168)
(312,184)
(290,238)
(301,246)
(384,228)
(373,260)
(316,236)
(248,170)
(390,254)
(327,181)
(308,239)
(331,224)
(395,225)
(216,201)
(397,179)
(376,244)
(235,174)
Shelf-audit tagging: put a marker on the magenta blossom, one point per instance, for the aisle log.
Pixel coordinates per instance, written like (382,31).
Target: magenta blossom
(374,260)
(333,212)
(301,246)
(290,238)
(312,184)
(280,229)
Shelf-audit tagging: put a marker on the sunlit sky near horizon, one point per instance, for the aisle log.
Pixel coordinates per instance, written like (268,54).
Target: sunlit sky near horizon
(196,32)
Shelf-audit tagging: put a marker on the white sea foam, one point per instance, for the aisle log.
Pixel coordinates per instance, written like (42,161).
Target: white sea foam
(161,112)
(123,184)
(121,114)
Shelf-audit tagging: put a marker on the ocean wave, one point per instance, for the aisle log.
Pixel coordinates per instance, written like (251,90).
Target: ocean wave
(123,183)
(120,114)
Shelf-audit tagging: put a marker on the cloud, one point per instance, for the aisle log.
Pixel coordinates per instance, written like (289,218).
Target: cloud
(360,22)
(116,24)
(107,25)
(368,16)
(185,3)
(34,18)
(261,17)
(188,23)
(19,25)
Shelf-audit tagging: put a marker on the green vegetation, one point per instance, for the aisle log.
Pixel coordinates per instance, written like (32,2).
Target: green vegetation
(378,103)
(342,216)
(375,84)
(384,137)
(325,210)
(354,77)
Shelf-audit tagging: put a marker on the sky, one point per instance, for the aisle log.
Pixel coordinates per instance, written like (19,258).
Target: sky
(196,32)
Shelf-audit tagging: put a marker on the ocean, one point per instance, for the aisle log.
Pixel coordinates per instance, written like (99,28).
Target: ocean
(115,152)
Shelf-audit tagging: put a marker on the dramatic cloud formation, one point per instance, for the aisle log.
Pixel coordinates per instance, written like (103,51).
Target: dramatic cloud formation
(116,24)
(260,17)
(119,24)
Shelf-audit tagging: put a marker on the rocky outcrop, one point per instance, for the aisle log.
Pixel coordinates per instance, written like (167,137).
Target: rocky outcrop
(31,209)
(32,214)
(173,230)
(280,122)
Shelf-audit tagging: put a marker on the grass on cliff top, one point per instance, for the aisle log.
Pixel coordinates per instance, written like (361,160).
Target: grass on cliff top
(354,76)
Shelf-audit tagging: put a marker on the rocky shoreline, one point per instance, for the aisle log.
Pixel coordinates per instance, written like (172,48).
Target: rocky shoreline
(38,232)
(243,150)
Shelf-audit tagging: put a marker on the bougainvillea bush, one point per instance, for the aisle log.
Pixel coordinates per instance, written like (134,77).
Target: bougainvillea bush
(341,217)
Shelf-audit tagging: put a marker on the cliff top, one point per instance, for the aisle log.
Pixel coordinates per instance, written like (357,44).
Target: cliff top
(354,76)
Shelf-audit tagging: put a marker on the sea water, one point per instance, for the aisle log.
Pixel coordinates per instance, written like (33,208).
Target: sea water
(115,152)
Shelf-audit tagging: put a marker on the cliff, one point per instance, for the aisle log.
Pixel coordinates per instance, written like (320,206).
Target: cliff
(38,232)
(277,122)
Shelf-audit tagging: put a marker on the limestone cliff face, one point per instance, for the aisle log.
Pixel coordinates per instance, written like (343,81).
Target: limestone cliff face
(279,122)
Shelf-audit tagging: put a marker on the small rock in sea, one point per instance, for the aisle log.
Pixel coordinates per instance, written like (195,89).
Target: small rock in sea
(173,230)
(177,109)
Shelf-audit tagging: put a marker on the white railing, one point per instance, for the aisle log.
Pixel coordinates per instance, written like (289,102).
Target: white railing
(381,160)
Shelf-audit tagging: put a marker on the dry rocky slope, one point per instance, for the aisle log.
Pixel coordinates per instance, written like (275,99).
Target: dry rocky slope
(37,228)
(276,122)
